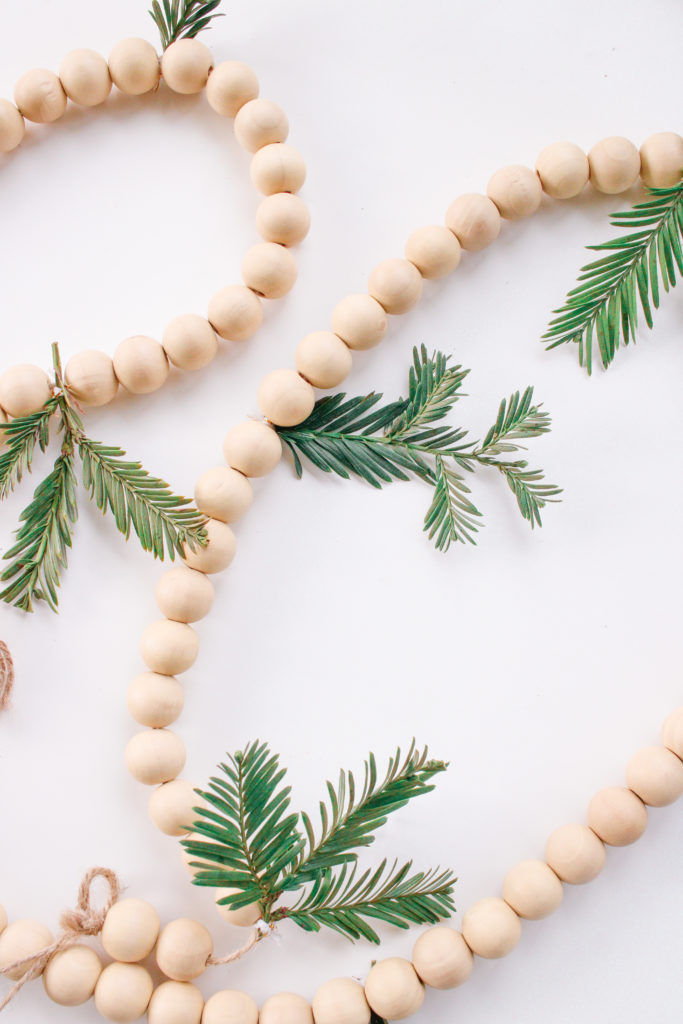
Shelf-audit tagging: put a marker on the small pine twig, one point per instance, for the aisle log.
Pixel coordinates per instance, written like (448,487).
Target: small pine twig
(182,19)
(21,436)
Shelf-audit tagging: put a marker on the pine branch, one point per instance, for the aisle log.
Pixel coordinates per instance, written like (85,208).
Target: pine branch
(517,420)
(450,516)
(178,19)
(21,436)
(531,493)
(433,389)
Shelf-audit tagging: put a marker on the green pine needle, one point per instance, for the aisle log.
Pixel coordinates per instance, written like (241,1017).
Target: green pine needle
(178,19)
(451,515)
(21,435)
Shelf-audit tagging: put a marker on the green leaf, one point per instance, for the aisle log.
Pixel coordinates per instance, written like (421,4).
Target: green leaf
(21,435)
(183,18)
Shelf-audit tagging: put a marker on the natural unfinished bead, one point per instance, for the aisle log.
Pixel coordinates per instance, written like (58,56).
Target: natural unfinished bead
(617,816)
(130,930)
(123,992)
(21,939)
(218,552)
(190,342)
(223,493)
(396,284)
(575,854)
(24,389)
(341,1001)
(231,85)
(323,359)
(12,126)
(176,1002)
(393,989)
(242,917)
(672,732)
(3,919)
(155,700)
(360,321)
(286,1008)
(140,364)
(563,170)
(90,377)
(283,218)
(235,312)
(169,647)
(185,66)
(661,160)
(474,220)
(85,77)
(614,165)
(71,975)
(230,1007)
(252,448)
(269,269)
(516,191)
(278,168)
(442,958)
(434,250)
(171,807)
(260,123)
(183,948)
(491,928)
(134,66)
(285,398)
(39,96)
(184,595)
(532,889)
(155,756)
(655,774)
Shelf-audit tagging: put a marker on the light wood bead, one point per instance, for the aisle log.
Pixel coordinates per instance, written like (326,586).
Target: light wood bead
(269,269)
(130,930)
(219,551)
(85,77)
(71,975)
(20,939)
(285,398)
(516,191)
(230,1007)
(190,342)
(491,928)
(155,700)
(184,595)
(286,1008)
(185,66)
(91,378)
(40,97)
(235,312)
(141,365)
(169,647)
(242,917)
(360,321)
(532,889)
(231,85)
(176,1002)
(341,1001)
(655,774)
(575,854)
(323,359)
(672,732)
(171,807)
(12,126)
(617,816)
(393,989)
(442,958)
(260,123)
(614,165)
(661,160)
(434,250)
(123,992)
(3,919)
(396,284)
(24,389)
(223,493)
(563,170)
(155,756)
(252,448)
(277,168)
(134,66)
(283,218)
(474,220)
(183,948)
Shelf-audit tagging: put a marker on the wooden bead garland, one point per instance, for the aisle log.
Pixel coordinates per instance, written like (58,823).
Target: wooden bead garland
(19,939)
(176,1002)
(516,191)
(617,816)
(134,67)
(532,889)
(130,930)
(230,1007)
(183,948)
(186,65)
(286,1008)
(71,975)
(655,774)
(123,992)
(491,928)
(442,958)
(155,700)
(393,989)
(575,854)
(155,756)
(340,1001)
(40,96)
(85,78)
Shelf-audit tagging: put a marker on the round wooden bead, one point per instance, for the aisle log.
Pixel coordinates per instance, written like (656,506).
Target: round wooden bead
(185,66)
(71,975)
(3,919)
(269,270)
(230,1007)
(434,250)
(283,218)
(393,989)
(242,917)
(169,647)
(184,595)
(183,948)
(134,66)
(575,854)
(614,165)
(85,77)
(219,551)
(155,756)
(563,170)
(278,168)
(123,992)
(474,220)
(176,1002)
(231,85)
(360,321)
(286,1008)
(190,342)
(24,389)
(40,97)
(21,939)
(516,191)
(491,928)
(396,284)
(655,774)
(130,930)
(91,378)
(260,123)
(140,364)
(341,1001)
(155,700)
(235,312)
(252,448)
(672,732)
(12,126)
(223,493)
(442,958)
(323,359)
(532,889)
(171,807)
(617,816)
(285,398)
(661,160)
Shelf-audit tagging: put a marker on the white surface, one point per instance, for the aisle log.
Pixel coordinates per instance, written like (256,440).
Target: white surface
(535,663)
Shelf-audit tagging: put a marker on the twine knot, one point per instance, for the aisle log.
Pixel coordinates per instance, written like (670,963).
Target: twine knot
(6,675)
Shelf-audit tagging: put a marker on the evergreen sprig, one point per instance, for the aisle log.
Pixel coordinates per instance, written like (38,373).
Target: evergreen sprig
(178,19)
(21,435)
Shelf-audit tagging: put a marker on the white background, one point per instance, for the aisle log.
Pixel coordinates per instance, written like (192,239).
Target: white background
(535,663)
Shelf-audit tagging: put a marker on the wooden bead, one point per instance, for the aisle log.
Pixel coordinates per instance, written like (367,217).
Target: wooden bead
(614,165)
(190,342)
(491,928)
(532,889)
(341,1001)
(474,220)
(171,807)
(3,919)
(24,389)
(575,854)
(278,168)
(617,816)
(516,191)
(283,218)
(223,493)
(184,595)
(260,123)
(434,250)
(672,732)
(393,989)
(169,647)
(176,1002)
(21,939)
(655,774)
(123,992)
(91,378)
(252,448)
(235,312)
(243,917)
(230,1007)
(130,931)
(396,284)
(85,77)
(185,66)
(155,700)
(12,126)
(285,398)
(155,756)
(360,321)
(71,975)
(563,170)
(286,1008)
(442,958)
(231,85)
(183,948)
(134,66)
(269,269)
(219,551)
(141,365)
(323,359)
(39,96)
(661,160)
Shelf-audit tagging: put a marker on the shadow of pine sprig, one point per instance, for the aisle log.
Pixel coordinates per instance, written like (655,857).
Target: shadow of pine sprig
(182,19)
(398,440)
(267,855)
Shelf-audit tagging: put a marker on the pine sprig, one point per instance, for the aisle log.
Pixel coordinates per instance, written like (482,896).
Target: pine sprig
(21,435)
(451,517)
(178,19)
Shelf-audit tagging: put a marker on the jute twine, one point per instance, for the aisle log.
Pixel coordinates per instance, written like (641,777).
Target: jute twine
(6,675)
